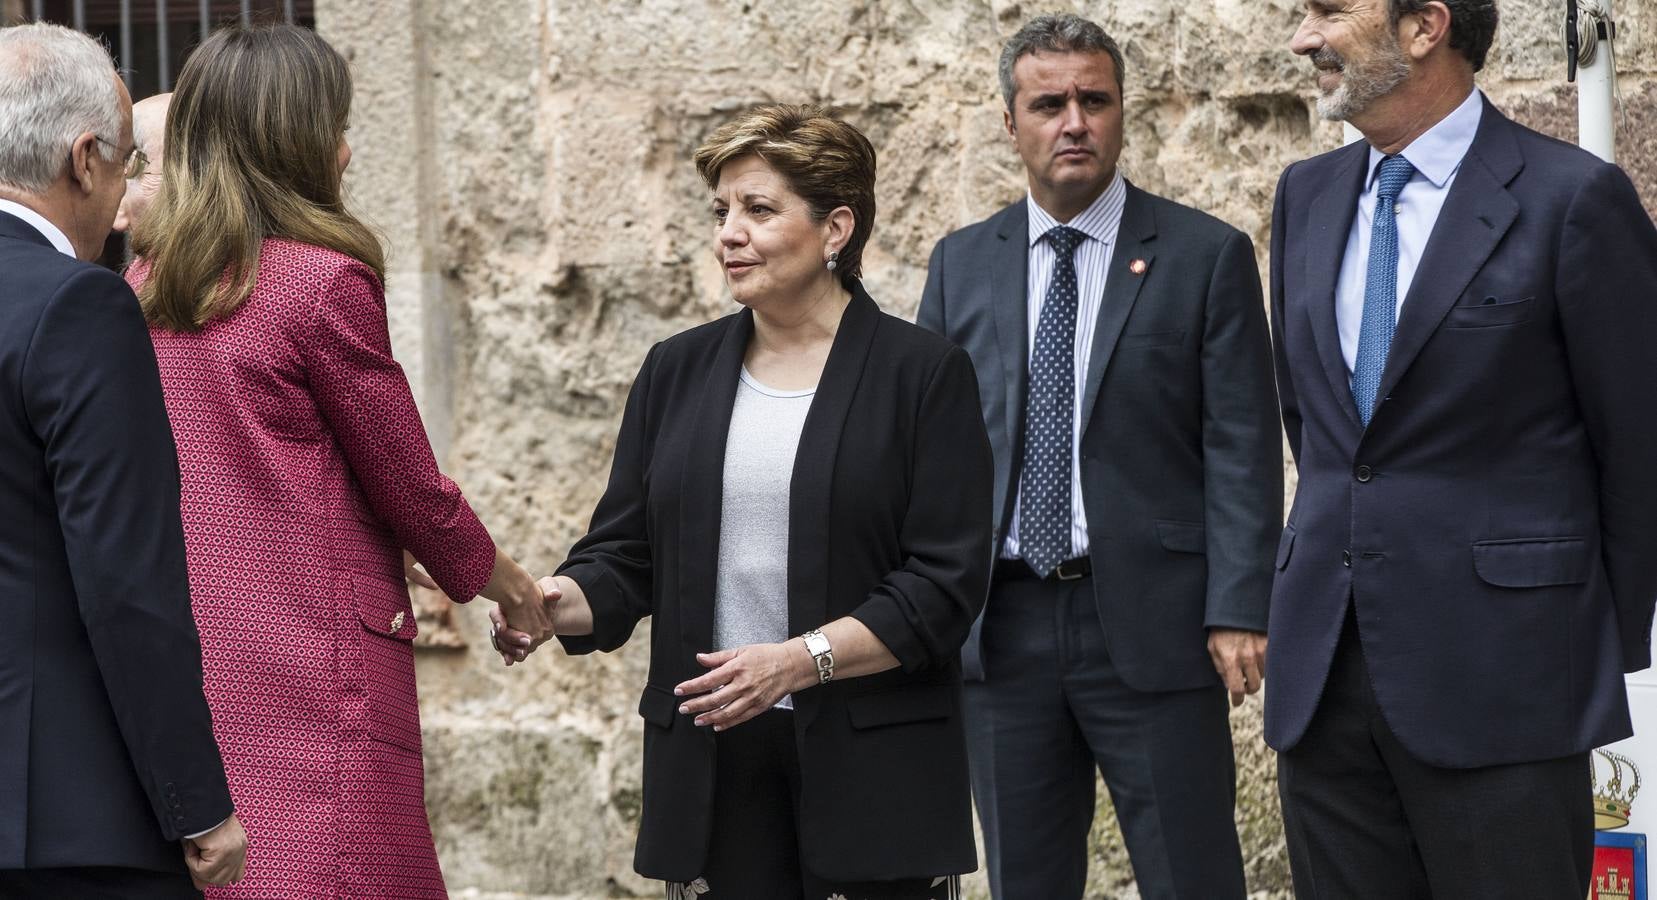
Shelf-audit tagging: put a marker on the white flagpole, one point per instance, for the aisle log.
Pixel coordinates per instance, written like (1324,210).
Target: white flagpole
(1596,89)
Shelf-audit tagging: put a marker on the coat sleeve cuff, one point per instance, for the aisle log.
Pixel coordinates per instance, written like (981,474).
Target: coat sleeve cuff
(882,617)
(611,625)
(191,811)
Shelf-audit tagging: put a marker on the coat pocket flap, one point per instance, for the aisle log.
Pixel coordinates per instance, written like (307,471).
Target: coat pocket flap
(1536,562)
(1285,546)
(1490,313)
(658,706)
(383,605)
(913,704)
(1182,537)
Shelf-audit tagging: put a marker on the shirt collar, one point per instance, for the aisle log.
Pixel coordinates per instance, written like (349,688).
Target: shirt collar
(1437,154)
(47,230)
(1099,221)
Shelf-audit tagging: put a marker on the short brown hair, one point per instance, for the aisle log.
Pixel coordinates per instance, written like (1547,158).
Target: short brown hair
(825,160)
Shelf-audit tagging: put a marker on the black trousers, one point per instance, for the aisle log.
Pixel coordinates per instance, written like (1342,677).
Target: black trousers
(754,853)
(1366,819)
(1052,708)
(95,883)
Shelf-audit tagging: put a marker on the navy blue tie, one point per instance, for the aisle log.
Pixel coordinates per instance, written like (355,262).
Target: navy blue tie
(1380,287)
(1049,424)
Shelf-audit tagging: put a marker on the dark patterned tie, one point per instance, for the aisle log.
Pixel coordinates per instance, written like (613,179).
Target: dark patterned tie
(1380,287)
(1049,424)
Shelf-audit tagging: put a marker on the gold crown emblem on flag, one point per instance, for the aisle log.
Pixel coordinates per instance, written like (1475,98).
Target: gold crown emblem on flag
(1613,801)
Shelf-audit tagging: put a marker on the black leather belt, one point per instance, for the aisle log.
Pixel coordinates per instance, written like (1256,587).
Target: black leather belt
(1017,569)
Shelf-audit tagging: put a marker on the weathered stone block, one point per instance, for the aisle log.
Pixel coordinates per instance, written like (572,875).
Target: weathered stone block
(529,162)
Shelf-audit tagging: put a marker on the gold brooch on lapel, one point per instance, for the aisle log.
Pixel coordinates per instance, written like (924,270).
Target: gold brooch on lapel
(1138,267)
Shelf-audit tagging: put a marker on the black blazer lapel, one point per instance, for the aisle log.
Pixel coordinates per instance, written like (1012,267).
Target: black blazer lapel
(702,486)
(1329,222)
(810,493)
(809,497)
(1009,276)
(1122,284)
(1476,214)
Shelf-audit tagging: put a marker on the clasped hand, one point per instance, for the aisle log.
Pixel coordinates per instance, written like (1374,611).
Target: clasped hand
(218,857)
(513,643)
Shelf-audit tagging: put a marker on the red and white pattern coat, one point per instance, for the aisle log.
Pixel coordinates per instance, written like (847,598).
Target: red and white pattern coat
(305,471)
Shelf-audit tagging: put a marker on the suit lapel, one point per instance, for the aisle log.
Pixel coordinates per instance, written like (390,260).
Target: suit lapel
(1122,286)
(809,499)
(702,486)
(1476,214)
(810,493)
(1329,223)
(1009,286)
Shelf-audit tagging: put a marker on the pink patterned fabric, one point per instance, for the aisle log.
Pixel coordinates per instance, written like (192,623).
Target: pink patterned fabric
(305,470)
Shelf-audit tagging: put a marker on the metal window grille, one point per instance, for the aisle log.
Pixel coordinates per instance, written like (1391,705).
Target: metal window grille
(152,39)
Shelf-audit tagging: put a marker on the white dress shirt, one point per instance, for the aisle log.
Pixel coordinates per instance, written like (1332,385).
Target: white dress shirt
(1437,157)
(1099,222)
(39,223)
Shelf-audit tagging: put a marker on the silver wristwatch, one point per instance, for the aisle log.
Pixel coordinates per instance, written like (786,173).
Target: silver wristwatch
(821,653)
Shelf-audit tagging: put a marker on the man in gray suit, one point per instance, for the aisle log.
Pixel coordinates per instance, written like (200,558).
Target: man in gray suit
(1125,372)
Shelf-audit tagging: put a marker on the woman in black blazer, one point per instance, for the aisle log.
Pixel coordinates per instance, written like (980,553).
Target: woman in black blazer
(873,566)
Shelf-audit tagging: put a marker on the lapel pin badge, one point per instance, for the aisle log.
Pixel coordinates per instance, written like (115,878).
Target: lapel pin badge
(1138,267)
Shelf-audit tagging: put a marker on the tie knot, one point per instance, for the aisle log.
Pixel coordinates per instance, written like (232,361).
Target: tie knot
(1064,240)
(1395,173)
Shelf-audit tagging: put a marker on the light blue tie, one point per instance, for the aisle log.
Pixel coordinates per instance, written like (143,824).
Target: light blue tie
(1050,419)
(1380,287)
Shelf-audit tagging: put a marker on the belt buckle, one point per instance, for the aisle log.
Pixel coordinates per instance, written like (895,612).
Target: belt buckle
(1063,574)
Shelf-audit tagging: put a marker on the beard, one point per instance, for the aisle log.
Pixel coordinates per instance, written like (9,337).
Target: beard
(1363,81)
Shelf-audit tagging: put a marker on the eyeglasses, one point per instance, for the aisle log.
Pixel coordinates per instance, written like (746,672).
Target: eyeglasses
(135,164)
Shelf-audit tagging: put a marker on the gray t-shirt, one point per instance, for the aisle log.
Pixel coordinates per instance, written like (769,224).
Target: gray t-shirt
(750,604)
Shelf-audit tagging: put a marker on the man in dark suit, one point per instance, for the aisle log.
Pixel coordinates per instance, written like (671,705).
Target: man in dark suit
(110,782)
(1124,369)
(1465,313)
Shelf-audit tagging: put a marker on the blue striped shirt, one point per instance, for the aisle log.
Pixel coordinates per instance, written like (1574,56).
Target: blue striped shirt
(1099,222)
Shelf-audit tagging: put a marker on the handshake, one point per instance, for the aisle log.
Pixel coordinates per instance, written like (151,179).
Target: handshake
(528,613)
(517,630)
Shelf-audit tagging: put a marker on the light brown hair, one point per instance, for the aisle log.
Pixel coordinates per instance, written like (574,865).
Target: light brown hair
(825,160)
(252,141)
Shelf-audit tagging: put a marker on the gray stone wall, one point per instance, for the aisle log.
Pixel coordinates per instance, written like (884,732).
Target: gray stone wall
(528,162)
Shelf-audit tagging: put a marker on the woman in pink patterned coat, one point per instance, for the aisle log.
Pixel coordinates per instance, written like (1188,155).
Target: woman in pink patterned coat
(306,473)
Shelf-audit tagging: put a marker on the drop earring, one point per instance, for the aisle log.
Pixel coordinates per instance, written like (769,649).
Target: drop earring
(833,260)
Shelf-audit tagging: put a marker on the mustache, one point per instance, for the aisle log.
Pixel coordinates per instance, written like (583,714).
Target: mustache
(1327,58)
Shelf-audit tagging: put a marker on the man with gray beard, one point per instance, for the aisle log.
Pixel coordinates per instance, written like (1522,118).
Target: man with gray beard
(1464,313)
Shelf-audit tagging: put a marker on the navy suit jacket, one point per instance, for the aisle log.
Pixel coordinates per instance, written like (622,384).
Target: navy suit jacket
(106,750)
(1495,526)
(1181,458)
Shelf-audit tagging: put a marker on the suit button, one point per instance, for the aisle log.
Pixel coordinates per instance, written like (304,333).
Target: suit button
(1346,558)
(1363,474)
